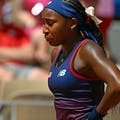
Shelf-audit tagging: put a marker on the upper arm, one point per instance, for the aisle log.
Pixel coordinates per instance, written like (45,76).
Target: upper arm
(94,57)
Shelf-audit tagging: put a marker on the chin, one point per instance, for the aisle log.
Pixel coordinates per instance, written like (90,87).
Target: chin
(53,44)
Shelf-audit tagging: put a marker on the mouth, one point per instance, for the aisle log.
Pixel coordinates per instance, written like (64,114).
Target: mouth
(47,38)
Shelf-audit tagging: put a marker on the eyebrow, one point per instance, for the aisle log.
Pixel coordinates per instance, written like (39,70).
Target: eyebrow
(47,18)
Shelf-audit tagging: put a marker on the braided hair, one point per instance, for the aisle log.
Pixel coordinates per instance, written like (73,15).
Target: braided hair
(86,25)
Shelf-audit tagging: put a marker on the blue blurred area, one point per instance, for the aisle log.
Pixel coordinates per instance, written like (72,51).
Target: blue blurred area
(117,9)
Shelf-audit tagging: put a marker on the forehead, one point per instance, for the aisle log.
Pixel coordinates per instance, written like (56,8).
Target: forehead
(50,14)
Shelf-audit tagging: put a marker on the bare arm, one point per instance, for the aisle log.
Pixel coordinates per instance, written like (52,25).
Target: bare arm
(94,57)
(24,53)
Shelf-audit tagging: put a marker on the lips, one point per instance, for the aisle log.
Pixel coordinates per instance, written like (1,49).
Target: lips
(47,37)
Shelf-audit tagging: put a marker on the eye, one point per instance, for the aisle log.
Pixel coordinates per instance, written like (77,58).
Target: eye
(50,23)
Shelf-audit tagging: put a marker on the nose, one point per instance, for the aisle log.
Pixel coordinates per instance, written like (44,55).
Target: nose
(45,30)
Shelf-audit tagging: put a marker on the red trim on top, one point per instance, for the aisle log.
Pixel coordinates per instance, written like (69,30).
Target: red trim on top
(71,68)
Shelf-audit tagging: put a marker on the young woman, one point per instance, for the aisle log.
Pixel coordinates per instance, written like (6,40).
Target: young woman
(79,65)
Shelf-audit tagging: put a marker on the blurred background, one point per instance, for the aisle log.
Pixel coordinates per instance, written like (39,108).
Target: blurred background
(113,33)
(25,56)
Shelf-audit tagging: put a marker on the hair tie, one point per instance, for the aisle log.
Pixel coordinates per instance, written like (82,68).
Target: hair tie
(90,12)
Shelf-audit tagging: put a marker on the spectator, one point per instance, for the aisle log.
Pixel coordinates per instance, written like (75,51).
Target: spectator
(16,51)
(33,28)
(34,31)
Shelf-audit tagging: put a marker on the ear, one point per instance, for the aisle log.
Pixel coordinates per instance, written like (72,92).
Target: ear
(74,23)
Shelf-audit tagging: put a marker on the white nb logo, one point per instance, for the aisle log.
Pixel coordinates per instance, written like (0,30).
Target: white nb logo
(61,73)
(50,74)
(49,2)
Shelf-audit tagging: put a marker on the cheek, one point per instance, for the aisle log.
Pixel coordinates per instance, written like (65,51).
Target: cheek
(62,31)
(55,37)
(58,33)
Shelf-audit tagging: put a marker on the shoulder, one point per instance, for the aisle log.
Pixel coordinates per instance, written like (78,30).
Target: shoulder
(89,46)
(90,51)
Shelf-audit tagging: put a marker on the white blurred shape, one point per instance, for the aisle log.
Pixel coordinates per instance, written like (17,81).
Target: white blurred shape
(37,9)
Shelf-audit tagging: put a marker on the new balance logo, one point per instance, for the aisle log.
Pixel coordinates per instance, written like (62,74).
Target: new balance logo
(50,74)
(61,73)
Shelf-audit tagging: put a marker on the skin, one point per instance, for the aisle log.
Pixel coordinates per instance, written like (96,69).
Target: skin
(90,59)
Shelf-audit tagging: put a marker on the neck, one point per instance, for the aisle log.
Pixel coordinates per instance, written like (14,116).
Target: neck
(69,45)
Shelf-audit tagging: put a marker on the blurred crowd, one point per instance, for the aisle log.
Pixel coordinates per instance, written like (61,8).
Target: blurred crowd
(24,53)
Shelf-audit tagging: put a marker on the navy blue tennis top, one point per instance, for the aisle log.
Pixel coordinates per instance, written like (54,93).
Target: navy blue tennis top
(75,95)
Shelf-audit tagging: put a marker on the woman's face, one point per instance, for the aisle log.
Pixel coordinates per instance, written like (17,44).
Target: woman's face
(56,27)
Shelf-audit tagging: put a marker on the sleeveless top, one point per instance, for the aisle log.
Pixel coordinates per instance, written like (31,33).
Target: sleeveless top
(75,95)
